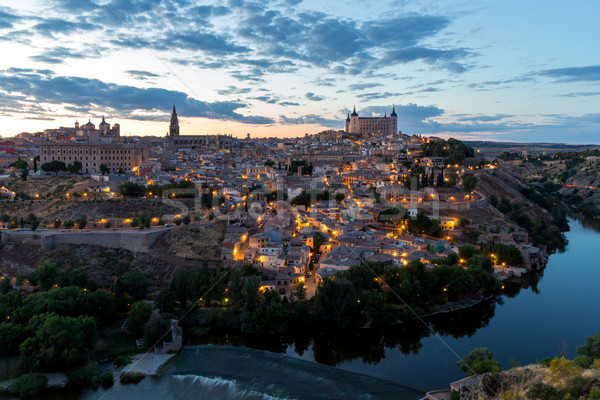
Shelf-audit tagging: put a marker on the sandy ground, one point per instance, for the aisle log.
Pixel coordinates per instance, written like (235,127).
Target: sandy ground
(147,363)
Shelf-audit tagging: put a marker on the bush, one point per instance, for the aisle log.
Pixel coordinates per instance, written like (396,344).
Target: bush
(562,368)
(479,361)
(544,361)
(107,379)
(121,361)
(131,377)
(29,385)
(591,348)
(541,391)
(85,376)
(583,361)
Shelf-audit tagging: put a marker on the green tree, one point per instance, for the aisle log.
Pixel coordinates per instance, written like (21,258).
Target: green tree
(469,181)
(479,361)
(339,197)
(68,224)
(11,336)
(81,222)
(139,315)
(75,167)
(155,330)
(299,292)
(20,164)
(46,275)
(135,283)
(57,223)
(104,169)
(591,348)
(144,220)
(29,385)
(186,219)
(509,254)
(58,343)
(466,251)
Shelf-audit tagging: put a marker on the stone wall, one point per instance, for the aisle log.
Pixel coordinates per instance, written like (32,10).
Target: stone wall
(133,240)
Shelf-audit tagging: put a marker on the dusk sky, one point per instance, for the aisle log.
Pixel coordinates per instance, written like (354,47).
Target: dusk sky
(498,70)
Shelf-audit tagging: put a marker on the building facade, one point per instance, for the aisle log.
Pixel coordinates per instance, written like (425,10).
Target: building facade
(372,125)
(195,142)
(115,156)
(84,131)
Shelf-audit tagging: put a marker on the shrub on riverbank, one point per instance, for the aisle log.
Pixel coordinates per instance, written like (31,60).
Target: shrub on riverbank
(131,377)
(29,385)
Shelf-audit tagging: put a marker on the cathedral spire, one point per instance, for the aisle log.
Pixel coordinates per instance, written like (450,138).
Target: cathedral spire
(174,125)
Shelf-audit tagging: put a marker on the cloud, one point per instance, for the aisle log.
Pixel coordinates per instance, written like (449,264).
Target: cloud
(127,101)
(363,86)
(377,95)
(60,54)
(406,30)
(52,26)
(7,18)
(580,94)
(573,74)
(310,119)
(141,75)
(314,97)
(485,118)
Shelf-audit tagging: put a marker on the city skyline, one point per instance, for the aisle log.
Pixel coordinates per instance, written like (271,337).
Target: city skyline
(494,70)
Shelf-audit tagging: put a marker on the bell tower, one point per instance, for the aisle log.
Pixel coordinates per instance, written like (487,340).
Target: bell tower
(174,125)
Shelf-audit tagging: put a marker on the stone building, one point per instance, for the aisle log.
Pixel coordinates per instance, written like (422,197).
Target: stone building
(84,131)
(372,125)
(93,153)
(195,142)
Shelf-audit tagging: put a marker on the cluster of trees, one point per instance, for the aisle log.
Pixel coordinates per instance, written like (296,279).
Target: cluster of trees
(455,150)
(13,222)
(352,299)
(54,329)
(181,189)
(508,254)
(23,167)
(59,166)
(310,197)
(292,168)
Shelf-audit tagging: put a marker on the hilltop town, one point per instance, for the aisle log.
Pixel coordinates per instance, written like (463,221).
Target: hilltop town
(299,210)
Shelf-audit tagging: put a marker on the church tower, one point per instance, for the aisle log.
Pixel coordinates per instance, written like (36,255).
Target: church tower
(394,121)
(174,125)
(354,122)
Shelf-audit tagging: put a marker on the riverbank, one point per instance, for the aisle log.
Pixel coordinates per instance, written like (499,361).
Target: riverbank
(147,363)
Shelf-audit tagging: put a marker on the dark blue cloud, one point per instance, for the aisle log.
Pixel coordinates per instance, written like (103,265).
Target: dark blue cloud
(141,75)
(377,95)
(314,97)
(51,27)
(60,54)
(124,100)
(363,86)
(404,31)
(199,41)
(7,18)
(589,73)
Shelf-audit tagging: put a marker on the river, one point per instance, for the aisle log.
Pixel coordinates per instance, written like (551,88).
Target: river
(549,315)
